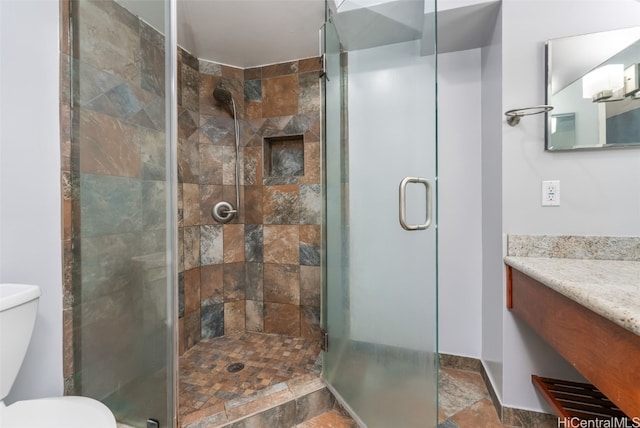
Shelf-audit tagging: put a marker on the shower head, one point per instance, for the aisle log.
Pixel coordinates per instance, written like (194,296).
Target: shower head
(222,95)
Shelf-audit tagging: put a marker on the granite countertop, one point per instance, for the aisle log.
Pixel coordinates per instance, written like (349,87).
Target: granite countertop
(610,288)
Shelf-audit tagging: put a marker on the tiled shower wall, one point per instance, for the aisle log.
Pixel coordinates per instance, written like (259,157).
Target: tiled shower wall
(284,210)
(261,271)
(206,140)
(113,160)
(65,177)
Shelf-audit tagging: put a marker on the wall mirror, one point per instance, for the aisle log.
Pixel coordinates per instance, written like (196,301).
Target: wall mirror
(592,83)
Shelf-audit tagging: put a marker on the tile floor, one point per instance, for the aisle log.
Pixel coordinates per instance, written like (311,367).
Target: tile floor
(464,401)
(277,365)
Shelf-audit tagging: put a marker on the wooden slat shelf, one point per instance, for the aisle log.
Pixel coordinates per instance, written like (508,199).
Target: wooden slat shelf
(605,353)
(576,400)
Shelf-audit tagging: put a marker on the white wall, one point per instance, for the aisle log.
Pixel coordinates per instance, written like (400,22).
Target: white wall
(492,266)
(30,219)
(459,203)
(600,190)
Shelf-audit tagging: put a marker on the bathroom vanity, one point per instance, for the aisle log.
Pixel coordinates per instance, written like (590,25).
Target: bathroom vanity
(589,311)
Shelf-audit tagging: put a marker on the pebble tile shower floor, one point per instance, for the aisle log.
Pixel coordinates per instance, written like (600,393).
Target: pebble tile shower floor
(276,363)
(207,386)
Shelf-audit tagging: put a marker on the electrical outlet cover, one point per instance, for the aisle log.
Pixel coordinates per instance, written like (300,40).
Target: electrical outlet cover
(551,193)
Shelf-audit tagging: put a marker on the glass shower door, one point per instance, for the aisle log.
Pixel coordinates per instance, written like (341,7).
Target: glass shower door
(123,209)
(381,280)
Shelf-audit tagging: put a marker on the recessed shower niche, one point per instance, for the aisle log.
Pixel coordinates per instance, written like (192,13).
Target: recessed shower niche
(283,159)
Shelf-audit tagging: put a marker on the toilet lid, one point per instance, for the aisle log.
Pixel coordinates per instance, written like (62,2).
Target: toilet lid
(58,412)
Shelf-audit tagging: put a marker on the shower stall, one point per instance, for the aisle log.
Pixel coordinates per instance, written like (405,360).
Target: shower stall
(223,224)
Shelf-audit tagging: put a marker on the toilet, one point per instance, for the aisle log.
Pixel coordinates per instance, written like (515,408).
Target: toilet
(18,310)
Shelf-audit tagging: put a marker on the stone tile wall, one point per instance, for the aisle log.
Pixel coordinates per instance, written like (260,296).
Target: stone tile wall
(261,271)
(68,368)
(283,211)
(113,171)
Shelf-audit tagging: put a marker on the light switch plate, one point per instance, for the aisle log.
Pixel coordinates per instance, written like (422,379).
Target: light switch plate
(551,193)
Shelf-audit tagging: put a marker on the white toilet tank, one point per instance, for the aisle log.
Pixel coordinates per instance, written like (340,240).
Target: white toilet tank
(18,311)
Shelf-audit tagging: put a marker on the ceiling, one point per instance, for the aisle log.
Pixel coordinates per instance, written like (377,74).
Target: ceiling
(249,33)
(252,33)
(242,33)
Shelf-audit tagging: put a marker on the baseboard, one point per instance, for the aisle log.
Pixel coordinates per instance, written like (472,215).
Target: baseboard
(528,418)
(460,362)
(492,392)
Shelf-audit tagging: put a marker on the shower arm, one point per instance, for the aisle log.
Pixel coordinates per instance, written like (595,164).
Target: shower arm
(223,211)
(237,132)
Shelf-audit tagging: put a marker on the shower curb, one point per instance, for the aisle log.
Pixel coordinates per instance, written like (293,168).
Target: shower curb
(281,405)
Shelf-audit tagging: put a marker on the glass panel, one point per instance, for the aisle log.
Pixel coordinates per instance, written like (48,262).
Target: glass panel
(335,305)
(381,279)
(123,218)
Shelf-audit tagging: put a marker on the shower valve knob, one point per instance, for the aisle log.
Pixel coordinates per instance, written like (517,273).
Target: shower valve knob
(223,212)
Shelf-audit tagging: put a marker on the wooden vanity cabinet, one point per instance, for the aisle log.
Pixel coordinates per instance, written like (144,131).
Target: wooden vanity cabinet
(605,353)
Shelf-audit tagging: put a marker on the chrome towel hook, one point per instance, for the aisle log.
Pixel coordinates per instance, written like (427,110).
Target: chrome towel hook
(513,116)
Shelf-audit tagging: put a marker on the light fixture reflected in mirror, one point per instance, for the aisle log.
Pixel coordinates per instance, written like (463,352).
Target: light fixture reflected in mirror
(631,80)
(604,84)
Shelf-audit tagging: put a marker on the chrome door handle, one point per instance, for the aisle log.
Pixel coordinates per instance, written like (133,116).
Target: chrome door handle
(403,203)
